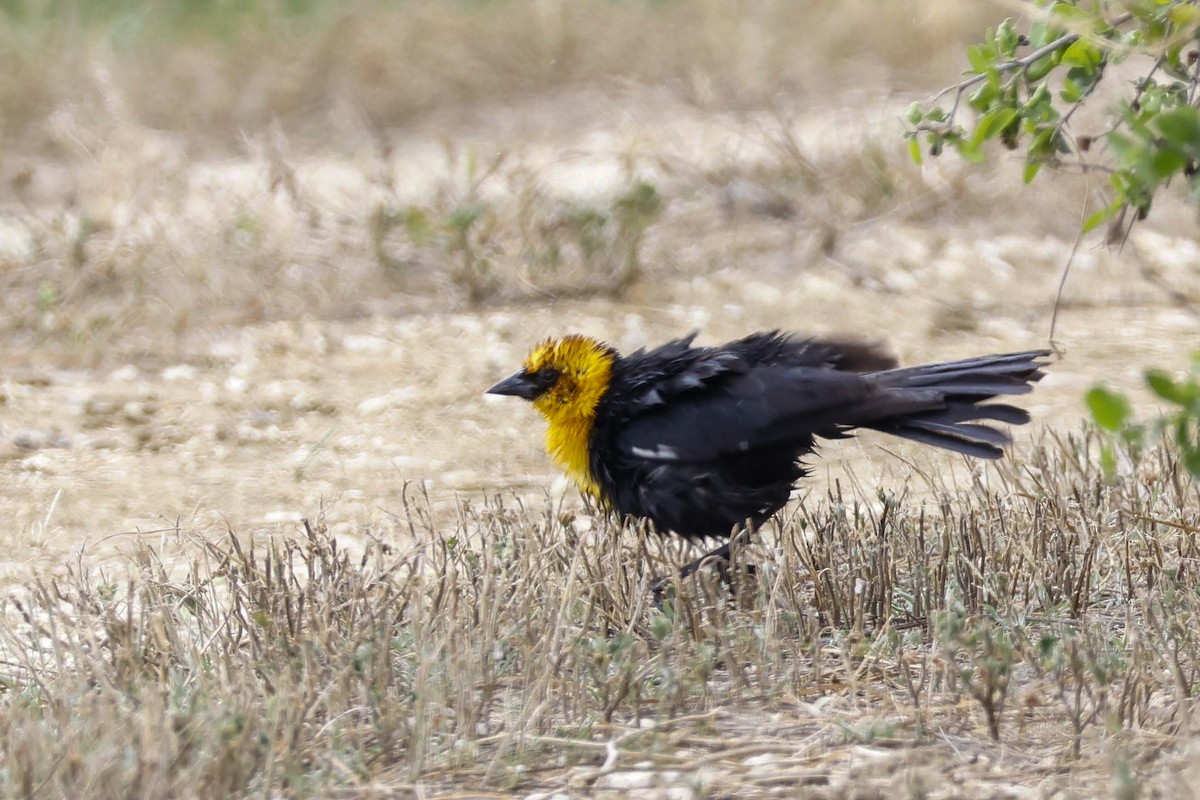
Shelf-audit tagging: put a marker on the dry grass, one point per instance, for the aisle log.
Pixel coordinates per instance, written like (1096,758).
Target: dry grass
(1045,615)
(128,233)
(325,67)
(375,159)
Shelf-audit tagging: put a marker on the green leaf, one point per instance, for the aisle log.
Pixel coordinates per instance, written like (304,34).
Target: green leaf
(1041,34)
(1181,125)
(914,150)
(1162,385)
(1108,459)
(1041,68)
(1080,20)
(1109,409)
(47,296)
(1070,93)
(980,57)
(1083,54)
(968,150)
(1124,147)
(1044,144)
(1182,430)
(981,99)
(1137,121)
(1166,162)
(1182,15)
(1006,39)
(1191,460)
(1040,97)
(914,114)
(1100,216)
(1181,393)
(991,123)
(1084,78)
(1173,63)
(1031,170)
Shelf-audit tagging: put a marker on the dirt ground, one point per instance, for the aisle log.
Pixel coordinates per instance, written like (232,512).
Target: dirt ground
(262,424)
(253,424)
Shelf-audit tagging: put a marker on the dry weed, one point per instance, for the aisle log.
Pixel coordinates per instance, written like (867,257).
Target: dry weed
(1047,607)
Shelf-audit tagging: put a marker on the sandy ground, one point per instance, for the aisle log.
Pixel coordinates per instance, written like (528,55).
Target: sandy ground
(259,425)
(263,424)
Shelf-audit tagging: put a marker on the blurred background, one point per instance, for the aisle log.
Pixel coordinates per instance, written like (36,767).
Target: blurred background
(258,257)
(171,166)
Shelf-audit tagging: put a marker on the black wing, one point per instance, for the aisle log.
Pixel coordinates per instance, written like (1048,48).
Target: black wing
(765,406)
(703,439)
(649,379)
(778,405)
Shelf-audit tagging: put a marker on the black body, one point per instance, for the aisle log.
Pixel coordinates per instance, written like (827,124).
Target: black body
(701,440)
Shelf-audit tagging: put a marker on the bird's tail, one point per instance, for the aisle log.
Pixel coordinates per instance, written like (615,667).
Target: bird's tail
(957,421)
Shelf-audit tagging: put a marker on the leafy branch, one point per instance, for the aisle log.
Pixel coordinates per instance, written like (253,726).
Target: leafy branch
(1027,99)
(1180,425)
(1024,89)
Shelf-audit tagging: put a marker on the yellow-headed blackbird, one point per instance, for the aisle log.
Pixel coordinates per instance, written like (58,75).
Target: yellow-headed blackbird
(701,440)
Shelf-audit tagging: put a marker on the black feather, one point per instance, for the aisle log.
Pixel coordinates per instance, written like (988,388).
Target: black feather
(703,439)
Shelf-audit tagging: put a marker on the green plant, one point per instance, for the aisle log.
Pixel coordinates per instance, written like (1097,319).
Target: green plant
(47,297)
(1082,665)
(603,243)
(1026,85)
(633,212)
(494,225)
(1180,425)
(986,654)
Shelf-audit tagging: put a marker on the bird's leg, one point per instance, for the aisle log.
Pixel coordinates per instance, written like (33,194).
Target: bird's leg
(720,554)
(730,566)
(723,556)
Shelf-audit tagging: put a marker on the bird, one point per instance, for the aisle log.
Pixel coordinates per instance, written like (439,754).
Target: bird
(707,441)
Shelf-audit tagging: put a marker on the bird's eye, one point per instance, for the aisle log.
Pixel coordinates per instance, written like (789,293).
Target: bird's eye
(546,377)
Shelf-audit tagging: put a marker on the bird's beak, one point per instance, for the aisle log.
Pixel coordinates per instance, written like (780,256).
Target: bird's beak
(518,385)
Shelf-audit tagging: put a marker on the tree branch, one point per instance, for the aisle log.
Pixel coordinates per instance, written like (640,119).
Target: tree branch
(1024,62)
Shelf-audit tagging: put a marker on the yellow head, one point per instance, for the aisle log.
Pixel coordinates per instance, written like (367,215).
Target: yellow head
(565,379)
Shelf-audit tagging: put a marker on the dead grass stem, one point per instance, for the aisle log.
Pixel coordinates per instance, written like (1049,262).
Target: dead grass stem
(1047,608)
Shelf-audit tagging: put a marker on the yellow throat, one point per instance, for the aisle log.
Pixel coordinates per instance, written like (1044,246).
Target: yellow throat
(569,406)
